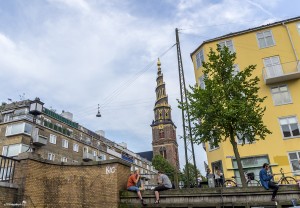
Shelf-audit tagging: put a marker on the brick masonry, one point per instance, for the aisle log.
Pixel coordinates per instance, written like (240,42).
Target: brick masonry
(55,185)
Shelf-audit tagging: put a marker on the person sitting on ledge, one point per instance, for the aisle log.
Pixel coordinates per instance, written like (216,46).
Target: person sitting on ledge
(164,183)
(266,182)
(132,185)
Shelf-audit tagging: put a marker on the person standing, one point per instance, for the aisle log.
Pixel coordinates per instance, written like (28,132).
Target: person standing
(218,177)
(164,183)
(266,182)
(132,185)
(210,178)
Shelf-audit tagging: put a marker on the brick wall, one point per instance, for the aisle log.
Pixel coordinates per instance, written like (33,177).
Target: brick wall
(94,184)
(8,194)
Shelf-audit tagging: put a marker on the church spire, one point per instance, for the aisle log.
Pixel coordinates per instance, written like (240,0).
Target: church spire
(163,129)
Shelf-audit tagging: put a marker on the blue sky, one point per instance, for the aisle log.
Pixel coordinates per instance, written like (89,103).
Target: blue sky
(76,54)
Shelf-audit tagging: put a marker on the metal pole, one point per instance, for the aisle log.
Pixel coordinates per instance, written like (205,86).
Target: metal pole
(185,113)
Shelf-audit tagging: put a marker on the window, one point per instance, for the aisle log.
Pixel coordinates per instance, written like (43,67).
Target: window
(199,58)
(161,133)
(8,117)
(298,27)
(289,127)
(21,111)
(201,82)
(273,67)
(163,152)
(239,139)
(52,139)
(281,95)
(75,147)
(294,158)
(14,149)
(236,70)
(213,146)
(102,157)
(265,39)
(64,159)
(94,153)
(228,44)
(18,128)
(51,156)
(65,143)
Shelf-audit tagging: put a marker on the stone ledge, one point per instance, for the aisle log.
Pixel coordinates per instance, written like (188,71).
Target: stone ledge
(214,197)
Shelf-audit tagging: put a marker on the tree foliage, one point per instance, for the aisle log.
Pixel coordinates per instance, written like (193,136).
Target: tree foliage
(192,173)
(160,163)
(229,104)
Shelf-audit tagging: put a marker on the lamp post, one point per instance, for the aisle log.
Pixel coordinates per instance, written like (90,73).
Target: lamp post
(35,109)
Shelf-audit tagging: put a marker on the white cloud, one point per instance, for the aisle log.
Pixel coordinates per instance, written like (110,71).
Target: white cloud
(81,52)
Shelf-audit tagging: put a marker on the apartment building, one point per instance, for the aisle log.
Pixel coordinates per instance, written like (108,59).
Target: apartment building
(56,137)
(274,49)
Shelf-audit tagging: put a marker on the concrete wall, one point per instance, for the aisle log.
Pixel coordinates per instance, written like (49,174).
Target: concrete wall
(214,197)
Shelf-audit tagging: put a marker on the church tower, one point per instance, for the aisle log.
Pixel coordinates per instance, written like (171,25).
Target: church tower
(163,129)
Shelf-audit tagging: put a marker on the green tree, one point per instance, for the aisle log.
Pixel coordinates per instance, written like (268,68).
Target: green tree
(160,163)
(228,105)
(192,173)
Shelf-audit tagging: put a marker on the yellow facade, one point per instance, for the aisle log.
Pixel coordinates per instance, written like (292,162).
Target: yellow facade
(278,149)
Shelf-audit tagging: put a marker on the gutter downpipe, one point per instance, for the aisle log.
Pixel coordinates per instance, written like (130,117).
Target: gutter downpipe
(294,50)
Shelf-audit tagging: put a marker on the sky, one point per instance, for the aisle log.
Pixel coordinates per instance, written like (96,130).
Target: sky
(76,54)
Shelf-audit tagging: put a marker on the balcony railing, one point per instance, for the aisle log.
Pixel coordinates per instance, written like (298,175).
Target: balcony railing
(281,72)
(7,169)
(87,157)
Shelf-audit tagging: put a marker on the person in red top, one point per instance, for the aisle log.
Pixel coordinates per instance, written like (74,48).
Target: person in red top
(132,185)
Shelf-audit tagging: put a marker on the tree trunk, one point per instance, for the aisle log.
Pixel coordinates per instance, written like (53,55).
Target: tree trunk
(237,157)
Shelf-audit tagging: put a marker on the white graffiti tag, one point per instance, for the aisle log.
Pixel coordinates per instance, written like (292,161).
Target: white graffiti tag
(110,170)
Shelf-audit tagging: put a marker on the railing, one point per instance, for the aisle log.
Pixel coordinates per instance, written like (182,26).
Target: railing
(281,72)
(7,169)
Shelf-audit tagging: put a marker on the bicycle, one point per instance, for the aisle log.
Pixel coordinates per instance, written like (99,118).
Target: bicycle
(250,181)
(286,180)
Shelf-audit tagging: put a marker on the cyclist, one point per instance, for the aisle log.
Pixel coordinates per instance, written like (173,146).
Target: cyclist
(266,182)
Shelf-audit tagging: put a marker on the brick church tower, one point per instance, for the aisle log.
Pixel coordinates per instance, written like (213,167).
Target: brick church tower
(163,129)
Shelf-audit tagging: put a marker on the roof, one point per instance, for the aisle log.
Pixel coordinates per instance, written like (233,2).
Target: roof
(147,155)
(245,31)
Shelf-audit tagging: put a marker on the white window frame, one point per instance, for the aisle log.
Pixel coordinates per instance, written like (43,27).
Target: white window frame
(75,147)
(4,150)
(64,159)
(240,141)
(201,82)
(52,139)
(212,147)
(94,153)
(199,58)
(263,33)
(272,66)
(297,122)
(297,152)
(236,70)
(65,143)
(51,156)
(280,92)
(226,43)
(298,27)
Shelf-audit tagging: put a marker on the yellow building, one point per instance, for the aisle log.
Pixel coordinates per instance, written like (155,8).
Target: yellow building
(275,49)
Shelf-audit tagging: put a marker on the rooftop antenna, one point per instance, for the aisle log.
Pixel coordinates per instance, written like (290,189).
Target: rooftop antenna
(98,114)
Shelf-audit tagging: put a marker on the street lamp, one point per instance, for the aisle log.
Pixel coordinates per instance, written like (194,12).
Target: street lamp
(35,109)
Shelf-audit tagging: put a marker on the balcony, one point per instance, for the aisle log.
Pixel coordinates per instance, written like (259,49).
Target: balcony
(128,159)
(87,157)
(281,72)
(37,138)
